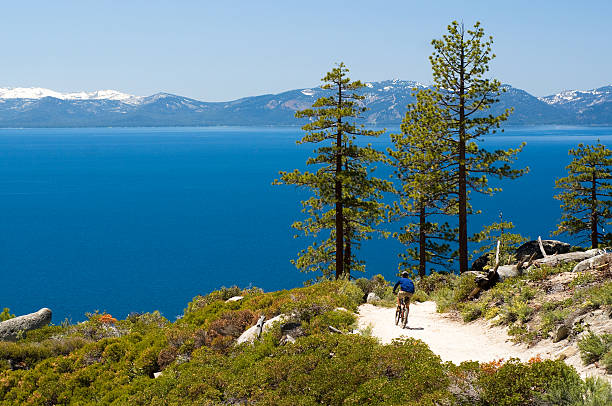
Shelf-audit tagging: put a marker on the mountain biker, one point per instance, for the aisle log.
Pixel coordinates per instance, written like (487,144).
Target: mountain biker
(406,290)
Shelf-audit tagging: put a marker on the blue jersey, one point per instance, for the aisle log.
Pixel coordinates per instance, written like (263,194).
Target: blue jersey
(405,285)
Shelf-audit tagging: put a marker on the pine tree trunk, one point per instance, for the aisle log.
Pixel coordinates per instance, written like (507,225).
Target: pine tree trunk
(594,240)
(422,241)
(347,254)
(463,250)
(338,187)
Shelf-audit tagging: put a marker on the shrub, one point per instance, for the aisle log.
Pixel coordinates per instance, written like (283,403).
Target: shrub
(472,311)
(515,311)
(464,286)
(538,382)
(420,296)
(6,315)
(593,347)
(435,281)
(597,392)
(339,319)
(606,359)
(443,298)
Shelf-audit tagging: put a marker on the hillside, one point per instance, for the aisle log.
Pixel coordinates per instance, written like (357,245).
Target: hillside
(316,348)
(386,101)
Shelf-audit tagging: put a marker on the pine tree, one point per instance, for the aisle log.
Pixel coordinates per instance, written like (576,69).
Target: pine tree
(459,63)
(496,233)
(346,197)
(424,193)
(587,190)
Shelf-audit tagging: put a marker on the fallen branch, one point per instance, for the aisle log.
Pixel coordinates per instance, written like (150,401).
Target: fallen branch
(541,247)
(259,325)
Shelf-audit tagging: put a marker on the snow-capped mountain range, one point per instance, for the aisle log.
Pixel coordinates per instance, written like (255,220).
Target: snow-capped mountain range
(386,102)
(39,93)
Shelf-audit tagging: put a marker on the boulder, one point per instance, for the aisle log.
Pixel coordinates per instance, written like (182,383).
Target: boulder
(551,247)
(593,263)
(262,326)
(507,271)
(10,329)
(372,297)
(555,260)
(234,299)
(562,333)
(480,262)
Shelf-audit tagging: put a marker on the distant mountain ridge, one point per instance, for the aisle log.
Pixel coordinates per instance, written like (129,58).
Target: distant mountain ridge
(386,102)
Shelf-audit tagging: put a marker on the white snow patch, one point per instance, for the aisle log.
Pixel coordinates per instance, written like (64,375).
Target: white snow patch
(39,93)
(308,92)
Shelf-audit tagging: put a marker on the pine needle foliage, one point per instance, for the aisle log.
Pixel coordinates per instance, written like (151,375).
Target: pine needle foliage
(424,197)
(509,242)
(586,193)
(460,62)
(346,206)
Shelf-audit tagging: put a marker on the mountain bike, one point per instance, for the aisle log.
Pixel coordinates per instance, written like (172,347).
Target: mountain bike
(401,314)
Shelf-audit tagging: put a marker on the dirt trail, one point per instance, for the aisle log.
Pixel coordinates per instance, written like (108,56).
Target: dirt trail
(456,341)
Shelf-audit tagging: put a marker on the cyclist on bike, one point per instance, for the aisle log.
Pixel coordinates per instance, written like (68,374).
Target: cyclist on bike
(406,290)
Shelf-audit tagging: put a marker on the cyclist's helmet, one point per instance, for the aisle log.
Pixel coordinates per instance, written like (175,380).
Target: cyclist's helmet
(405,274)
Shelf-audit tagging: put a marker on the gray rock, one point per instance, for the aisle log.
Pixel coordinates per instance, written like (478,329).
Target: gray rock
(593,262)
(234,299)
(156,374)
(562,333)
(252,333)
(10,329)
(551,247)
(372,297)
(555,260)
(507,271)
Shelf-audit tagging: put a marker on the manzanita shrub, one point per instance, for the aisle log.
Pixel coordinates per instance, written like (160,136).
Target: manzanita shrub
(115,362)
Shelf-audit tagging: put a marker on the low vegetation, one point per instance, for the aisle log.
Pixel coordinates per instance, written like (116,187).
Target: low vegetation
(108,361)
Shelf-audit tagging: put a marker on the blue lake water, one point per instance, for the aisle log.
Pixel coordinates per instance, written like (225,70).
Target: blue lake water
(144,219)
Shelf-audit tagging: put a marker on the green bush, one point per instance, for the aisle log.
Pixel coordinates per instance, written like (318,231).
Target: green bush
(464,286)
(6,315)
(539,382)
(593,347)
(606,359)
(435,281)
(597,392)
(420,296)
(444,298)
(472,311)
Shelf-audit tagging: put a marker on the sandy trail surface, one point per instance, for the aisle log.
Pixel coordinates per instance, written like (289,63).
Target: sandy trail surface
(455,341)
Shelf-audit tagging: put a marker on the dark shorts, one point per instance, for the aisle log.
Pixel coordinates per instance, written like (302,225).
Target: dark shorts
(404,295)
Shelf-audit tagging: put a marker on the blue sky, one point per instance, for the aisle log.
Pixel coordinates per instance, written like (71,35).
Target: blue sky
(222,50)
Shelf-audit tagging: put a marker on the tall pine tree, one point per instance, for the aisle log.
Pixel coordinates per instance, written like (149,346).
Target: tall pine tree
(346,201)
(425,195)
(587,191)
(459,63)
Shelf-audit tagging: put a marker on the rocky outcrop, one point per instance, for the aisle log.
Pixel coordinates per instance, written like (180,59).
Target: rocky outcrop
(372,298)
(595,262)
(507,271)
(261,327)
(531,249)
(10,329)
(555,260)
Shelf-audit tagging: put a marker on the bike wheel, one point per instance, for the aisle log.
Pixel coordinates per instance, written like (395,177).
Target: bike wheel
(398,315)
(404,317)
